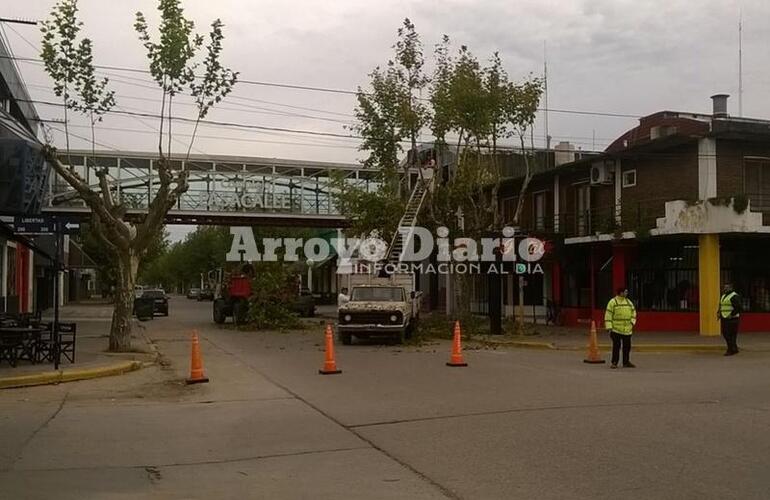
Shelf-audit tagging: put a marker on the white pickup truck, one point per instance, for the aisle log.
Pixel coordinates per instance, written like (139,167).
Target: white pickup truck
(381,308)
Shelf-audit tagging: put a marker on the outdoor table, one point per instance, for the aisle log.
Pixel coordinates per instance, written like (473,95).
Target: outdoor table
(30,337)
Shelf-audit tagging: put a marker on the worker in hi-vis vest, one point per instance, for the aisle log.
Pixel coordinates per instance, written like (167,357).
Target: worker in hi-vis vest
(729,314)
(619,320)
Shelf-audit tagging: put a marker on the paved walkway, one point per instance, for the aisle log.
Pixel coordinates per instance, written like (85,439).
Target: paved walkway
(92,341)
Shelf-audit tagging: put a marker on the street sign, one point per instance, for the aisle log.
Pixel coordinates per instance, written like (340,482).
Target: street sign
(69,226)
(44,224)
(34,225)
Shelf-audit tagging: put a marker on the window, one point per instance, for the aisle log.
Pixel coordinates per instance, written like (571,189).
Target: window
(664,277)
(749,275)
(11,272)
(756,182)
(629,178)
(509,208)
(377,294)
(583,209)
(539,202)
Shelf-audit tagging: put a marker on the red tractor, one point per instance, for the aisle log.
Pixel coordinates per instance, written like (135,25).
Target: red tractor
(231,296)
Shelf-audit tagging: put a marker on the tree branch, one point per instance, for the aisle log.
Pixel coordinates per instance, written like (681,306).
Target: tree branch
(104,185)
(119,231)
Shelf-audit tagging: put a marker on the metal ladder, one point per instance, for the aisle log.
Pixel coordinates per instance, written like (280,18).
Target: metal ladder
(408,221)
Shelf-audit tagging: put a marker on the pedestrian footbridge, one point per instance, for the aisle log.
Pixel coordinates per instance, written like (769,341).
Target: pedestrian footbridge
(225,190)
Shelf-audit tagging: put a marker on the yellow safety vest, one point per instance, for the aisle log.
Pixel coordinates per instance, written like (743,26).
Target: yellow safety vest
(620,316)
(726,306)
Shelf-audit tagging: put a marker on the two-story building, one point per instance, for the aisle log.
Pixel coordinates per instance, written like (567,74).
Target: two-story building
(25,270)
(672,209)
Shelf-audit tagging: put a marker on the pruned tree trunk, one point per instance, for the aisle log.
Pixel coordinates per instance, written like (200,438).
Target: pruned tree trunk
(120,330)
(127,242)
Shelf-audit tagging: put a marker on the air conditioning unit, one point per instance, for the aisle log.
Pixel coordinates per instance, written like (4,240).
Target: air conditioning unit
(602,173)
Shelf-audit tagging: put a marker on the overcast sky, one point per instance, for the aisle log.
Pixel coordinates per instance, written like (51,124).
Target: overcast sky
(615,56)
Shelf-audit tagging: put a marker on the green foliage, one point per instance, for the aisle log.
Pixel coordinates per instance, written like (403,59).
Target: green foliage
(173,65)
(217,80)
(59,49)
(478,104)
(177,45)
(95,98)
(274,289)
(392,111)
(368,211)
(70,63)
(439,326)
(105,259)
(181,265)
(740,203)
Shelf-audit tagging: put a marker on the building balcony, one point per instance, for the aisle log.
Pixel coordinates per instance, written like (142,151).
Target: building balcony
(652,218)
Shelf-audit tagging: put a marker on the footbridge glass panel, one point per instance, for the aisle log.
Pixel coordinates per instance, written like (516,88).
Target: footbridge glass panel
(221,188)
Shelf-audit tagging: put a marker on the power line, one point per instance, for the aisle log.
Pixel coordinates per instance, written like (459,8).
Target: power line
(244,108)
(223,138)
(13,20)
(250,126)
(338,91)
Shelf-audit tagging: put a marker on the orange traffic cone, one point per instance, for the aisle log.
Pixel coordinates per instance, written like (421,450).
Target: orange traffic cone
(594,356)
(196,363)
(330,365)
(457,348)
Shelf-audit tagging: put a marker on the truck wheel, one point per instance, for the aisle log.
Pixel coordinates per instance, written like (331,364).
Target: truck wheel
(219,313)
(240,312)
(346,338)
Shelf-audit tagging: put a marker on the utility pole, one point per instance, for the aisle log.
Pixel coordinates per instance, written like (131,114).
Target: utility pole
(56,295)
(740,64)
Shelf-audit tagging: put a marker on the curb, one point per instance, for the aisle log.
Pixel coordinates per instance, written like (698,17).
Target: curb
(660,348)
(60,376)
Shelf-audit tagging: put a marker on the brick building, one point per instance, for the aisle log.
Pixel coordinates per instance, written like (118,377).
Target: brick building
(671,209)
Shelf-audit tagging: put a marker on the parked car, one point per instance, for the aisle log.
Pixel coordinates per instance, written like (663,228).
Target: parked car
(194,293)
(206,294)
(160,300)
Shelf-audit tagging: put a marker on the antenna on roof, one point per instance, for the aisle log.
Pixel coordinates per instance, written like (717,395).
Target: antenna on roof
(545,95)
(740,64)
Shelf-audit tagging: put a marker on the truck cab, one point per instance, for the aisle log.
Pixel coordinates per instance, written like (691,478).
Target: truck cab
(379,311)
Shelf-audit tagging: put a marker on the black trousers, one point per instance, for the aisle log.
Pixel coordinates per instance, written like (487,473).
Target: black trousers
(730,333)
(617,340)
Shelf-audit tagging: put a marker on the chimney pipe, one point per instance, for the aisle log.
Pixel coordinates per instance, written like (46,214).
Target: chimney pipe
(720,105)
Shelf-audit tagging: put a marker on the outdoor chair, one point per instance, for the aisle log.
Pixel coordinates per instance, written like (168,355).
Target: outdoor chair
(36,318)
(24,320)
(46,345)
(67,333)
(9,347)
(26,349)
(8,321)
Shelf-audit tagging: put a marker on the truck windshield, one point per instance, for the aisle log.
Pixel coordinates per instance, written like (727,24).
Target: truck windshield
(378,294)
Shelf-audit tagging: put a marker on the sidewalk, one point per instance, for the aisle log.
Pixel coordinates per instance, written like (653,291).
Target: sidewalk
(83,311)
(576,339)
(91,358)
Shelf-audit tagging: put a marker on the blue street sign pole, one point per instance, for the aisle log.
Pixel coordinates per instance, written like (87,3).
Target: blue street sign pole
(57,284)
